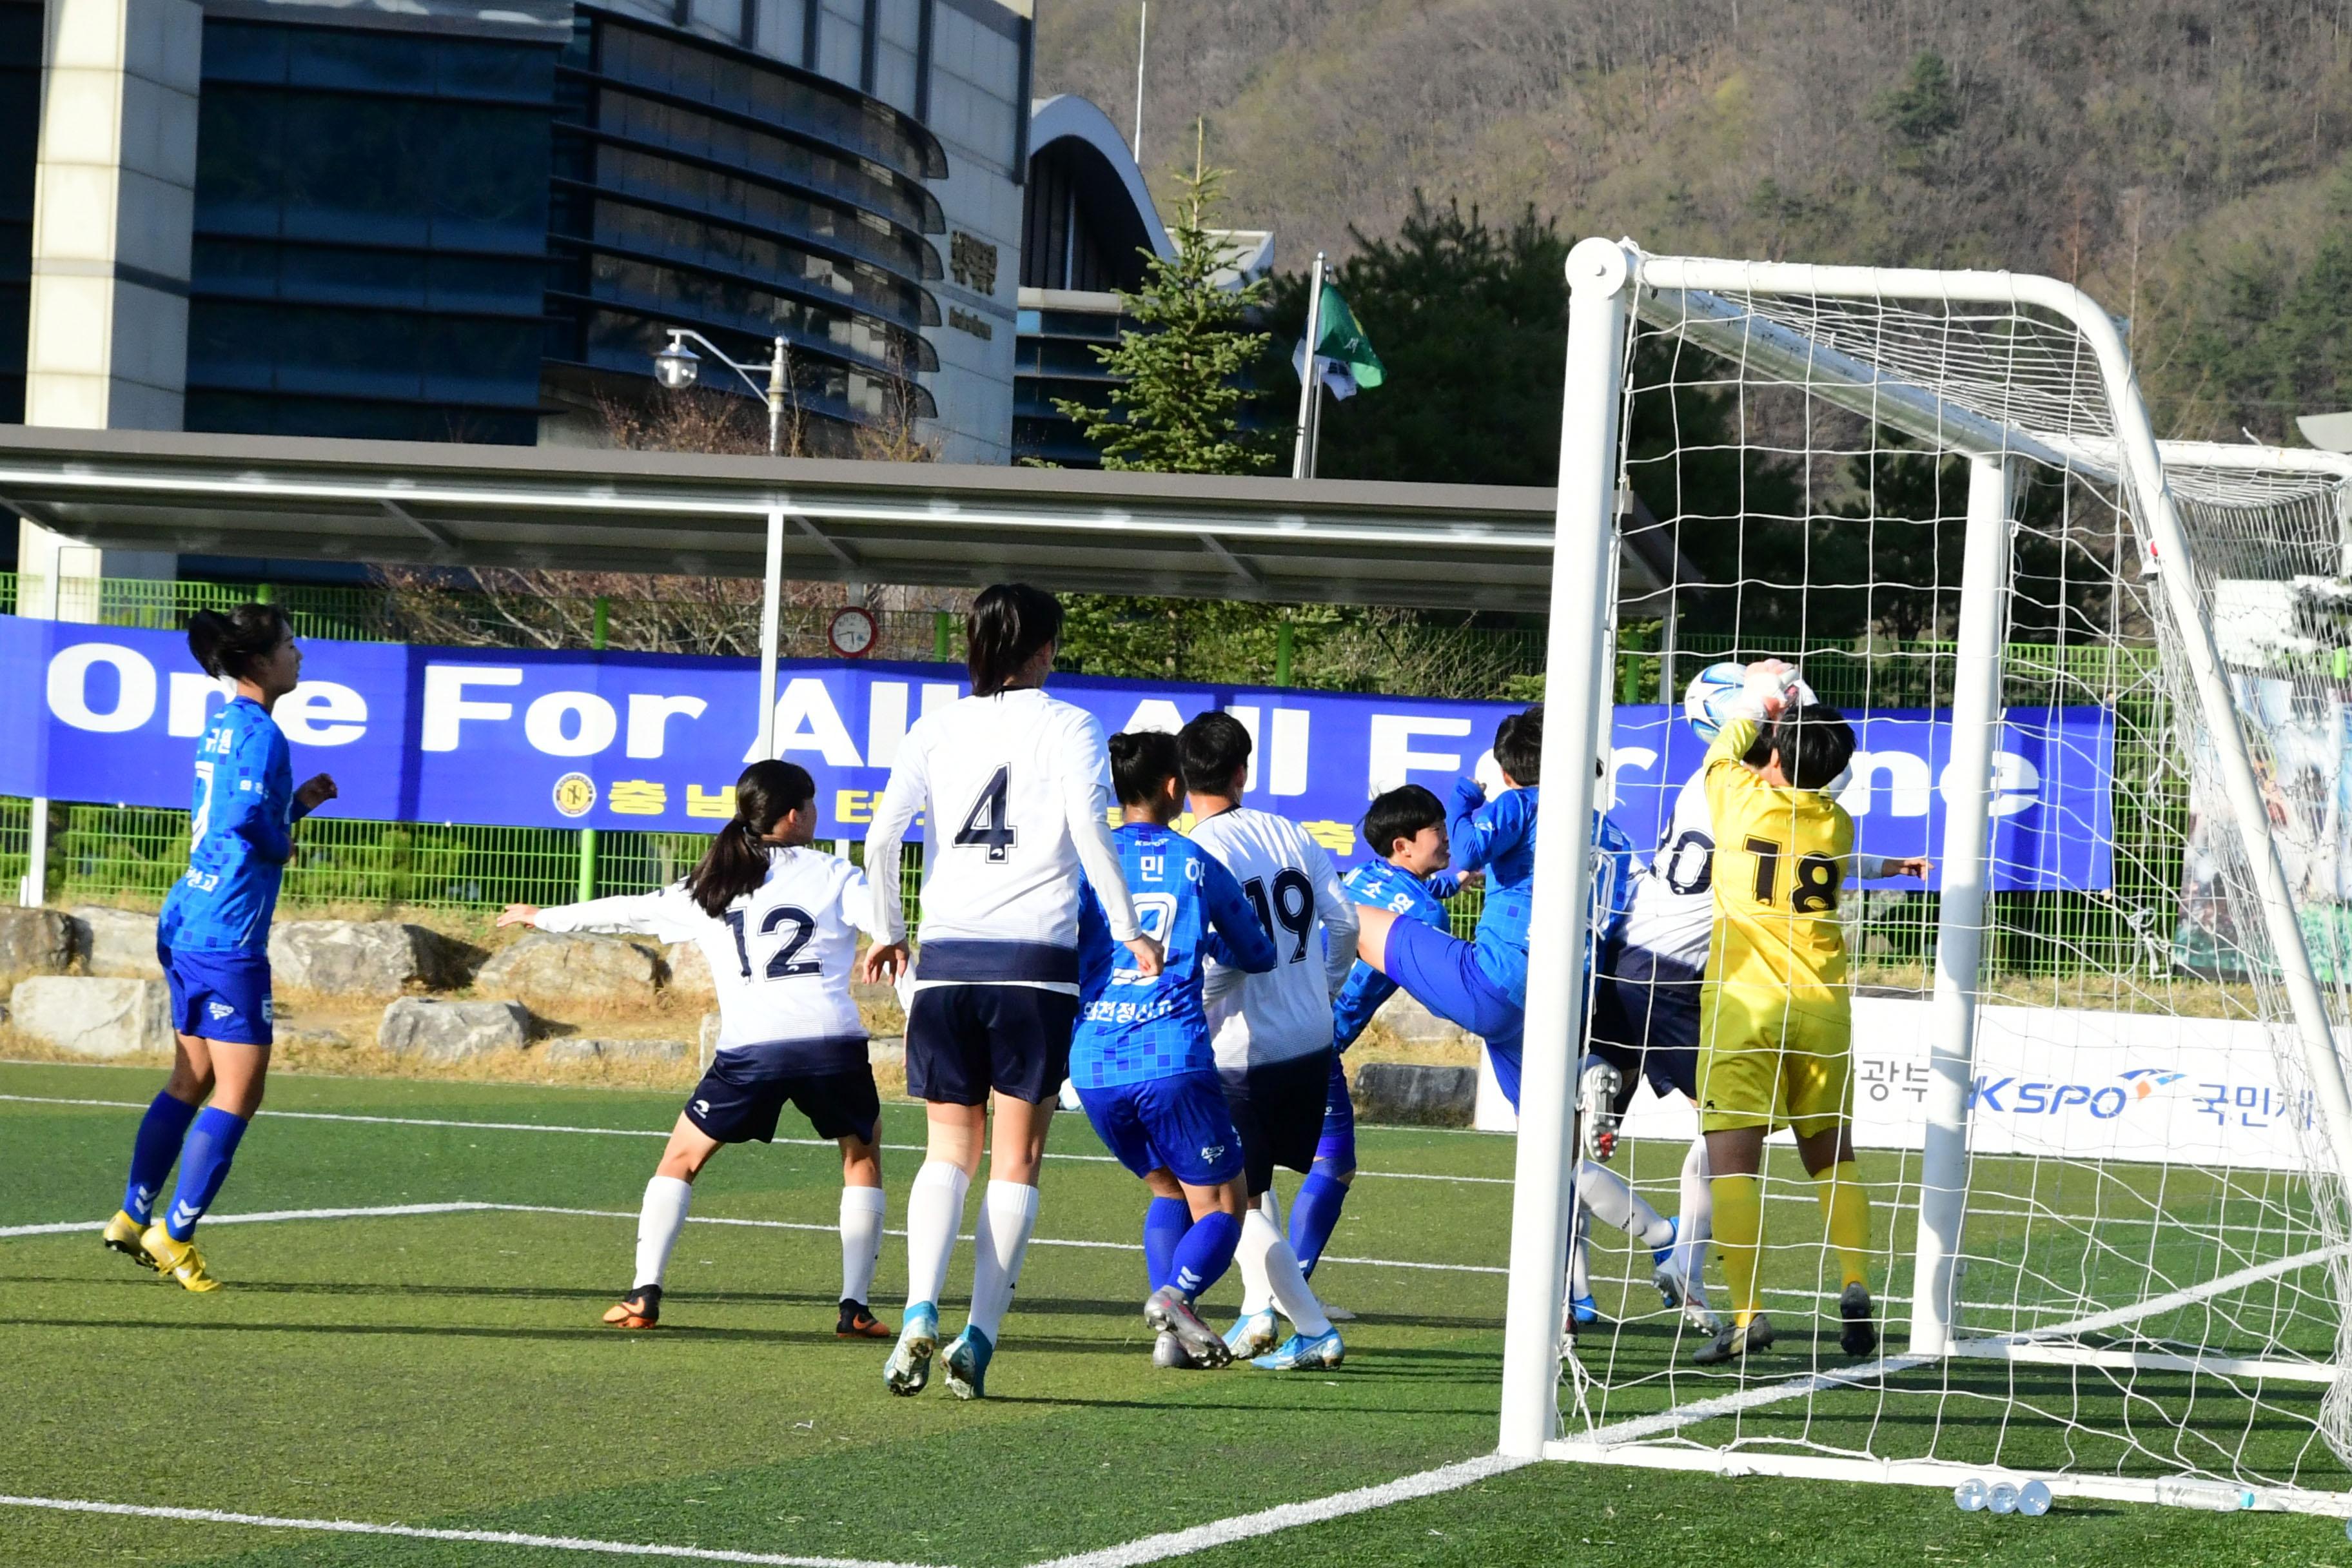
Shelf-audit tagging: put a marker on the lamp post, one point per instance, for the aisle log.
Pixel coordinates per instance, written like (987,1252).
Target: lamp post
(678,367)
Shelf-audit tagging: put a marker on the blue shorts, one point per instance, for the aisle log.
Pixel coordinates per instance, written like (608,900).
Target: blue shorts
(1176,1125)
(963,1041)
(1441,971)
(1646,1019)
(1336,1146)
(221,996)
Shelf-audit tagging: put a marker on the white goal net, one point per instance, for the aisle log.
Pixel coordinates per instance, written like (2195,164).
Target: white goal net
(2105,686)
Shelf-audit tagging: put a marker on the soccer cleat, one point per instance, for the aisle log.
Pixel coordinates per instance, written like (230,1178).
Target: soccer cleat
(1170,1313)
(856,1323)
(908,1369)
(1596,1108)
(1860,1335)
(1254,1333)
(1169,1351)
(640,1309)
(1300,1353)
(122,1234)
(1583,1311)
(1735,1340)
(968,1355)
(179,1260)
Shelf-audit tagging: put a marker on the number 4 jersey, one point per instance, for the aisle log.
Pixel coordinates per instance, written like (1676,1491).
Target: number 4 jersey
(780,956)
(1780,854)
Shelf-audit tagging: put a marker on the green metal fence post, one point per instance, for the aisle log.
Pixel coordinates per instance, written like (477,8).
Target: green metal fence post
(1285,635)
(263,594)
(940,636)
(599,626)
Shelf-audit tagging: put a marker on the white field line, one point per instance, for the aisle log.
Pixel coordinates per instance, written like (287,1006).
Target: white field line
(1289,1516)
(394,1211)
(420,1532)
(644,1133)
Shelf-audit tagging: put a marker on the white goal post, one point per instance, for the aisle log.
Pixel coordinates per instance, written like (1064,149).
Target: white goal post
(1959,399)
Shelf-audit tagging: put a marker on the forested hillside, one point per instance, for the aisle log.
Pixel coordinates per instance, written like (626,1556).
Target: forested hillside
(2186,162)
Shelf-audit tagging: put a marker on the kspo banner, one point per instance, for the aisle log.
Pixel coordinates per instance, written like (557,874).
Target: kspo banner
(652,741)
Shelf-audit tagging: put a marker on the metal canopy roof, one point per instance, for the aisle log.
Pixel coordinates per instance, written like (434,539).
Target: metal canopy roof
(1461,546)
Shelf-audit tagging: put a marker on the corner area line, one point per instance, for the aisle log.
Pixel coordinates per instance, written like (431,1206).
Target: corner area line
(421,1532)
(1291,1515)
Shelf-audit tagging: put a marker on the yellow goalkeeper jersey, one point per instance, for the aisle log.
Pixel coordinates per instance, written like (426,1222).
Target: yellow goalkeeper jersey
(1780,856)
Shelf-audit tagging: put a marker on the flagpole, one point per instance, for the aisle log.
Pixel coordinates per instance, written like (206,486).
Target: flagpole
(1310,385)
(1142,31)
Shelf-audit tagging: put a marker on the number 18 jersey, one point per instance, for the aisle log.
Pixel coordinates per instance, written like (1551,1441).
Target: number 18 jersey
(1780,856)
(778,957)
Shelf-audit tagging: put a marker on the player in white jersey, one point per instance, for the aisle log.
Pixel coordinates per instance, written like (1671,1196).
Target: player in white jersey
(1271,1032)
(778,923)
(1015,788)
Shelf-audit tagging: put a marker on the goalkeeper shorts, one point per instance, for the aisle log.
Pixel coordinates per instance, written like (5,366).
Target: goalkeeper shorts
(1769,1060)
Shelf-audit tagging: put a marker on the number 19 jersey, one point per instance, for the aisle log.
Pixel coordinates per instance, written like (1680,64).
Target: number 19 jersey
(1288,879)
(1780,854)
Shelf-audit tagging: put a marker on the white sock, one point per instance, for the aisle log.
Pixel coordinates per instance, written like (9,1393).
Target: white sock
(862,1209)
(1266,1251)
(1604,1192)
(1007,1214)
(1257,1290)
(1580,1271)
(934,1215)
(1697,1218)
(658,1222)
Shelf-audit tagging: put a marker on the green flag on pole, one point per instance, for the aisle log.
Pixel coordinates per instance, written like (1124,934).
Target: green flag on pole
(1343,353)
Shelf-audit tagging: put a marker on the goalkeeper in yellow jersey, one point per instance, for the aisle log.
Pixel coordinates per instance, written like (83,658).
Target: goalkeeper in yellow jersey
(1776,1014)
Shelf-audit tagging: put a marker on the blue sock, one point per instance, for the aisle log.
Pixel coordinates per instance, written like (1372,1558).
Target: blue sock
(204,1165)
(160,1132)
(1164,1225)
(1206,1252)
(1312,1214)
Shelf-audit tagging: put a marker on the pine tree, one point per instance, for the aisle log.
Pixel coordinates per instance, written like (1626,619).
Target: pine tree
(1182,389)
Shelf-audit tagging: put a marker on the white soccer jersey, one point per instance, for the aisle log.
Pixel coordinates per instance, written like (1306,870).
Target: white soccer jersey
(1671,911)
(1254,1019)
(780,957)
(1015,789)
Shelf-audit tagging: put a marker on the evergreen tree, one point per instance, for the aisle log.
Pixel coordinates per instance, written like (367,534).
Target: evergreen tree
(1182,394)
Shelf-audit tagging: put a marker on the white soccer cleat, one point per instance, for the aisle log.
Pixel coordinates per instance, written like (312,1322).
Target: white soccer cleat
(1253,1335)
(908,1369)
(1301,1353)
(1596,1108)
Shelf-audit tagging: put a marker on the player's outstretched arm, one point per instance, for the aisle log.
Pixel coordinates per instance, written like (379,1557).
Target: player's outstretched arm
(1874,868)
(667,915)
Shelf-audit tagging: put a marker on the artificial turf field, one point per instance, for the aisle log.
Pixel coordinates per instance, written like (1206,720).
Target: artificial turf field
(446,1369)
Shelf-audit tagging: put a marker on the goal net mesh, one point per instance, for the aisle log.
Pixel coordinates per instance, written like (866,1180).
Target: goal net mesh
(2151,1261)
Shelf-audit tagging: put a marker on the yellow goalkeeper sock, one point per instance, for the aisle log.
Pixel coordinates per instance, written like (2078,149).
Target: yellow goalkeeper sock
(1739,1235)
(1846,1204)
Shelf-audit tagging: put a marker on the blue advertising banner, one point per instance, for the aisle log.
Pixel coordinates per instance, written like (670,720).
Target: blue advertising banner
(654,741)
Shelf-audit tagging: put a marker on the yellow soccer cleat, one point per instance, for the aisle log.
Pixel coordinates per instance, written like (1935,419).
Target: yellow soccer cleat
(122,1234)
(180,1259)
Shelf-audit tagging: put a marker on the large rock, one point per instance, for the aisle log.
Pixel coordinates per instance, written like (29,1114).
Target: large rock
(35,942)
(572,1050)
(116,941)
(689,973)
(434,1031)
(1423,1095)
(374,959)
(1408,1020)
(89,1015)
(560,974)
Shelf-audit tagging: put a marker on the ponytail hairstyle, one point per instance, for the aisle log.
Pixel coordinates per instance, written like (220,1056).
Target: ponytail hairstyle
(1008,624)
(1140,762)
(228,645)
(737,861)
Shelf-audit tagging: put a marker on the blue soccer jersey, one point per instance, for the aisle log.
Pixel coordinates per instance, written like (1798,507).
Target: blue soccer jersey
(1132,1029)
(1499,837)
(1391,887)
(241,825)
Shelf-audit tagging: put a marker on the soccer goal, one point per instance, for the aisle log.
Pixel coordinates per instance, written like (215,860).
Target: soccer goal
(2105,683)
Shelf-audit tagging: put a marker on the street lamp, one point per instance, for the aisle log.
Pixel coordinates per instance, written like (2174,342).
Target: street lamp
(677,367)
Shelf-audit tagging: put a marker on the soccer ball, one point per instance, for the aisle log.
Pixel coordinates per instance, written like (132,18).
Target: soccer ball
(1710,694)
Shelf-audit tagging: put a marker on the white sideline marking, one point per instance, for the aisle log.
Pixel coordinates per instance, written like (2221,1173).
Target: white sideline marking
(643,1133)
(421,1532)
(1290,1515)
(394,1211)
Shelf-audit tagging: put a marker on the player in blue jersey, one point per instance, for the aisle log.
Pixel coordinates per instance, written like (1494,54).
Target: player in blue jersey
(1408,826)
(1142,1058)
(213,939)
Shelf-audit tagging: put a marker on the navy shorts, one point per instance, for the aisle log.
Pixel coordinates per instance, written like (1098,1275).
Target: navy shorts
(740,1098)
(962,1041)
(1336,1146)
(219,995)
(1277,1109)
(1645,1020)
(1177,1124)
(1441,971)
